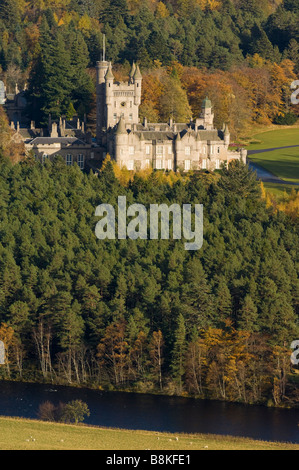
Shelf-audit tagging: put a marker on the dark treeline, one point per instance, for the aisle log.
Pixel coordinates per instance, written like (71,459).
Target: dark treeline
(50,44)
(147,315)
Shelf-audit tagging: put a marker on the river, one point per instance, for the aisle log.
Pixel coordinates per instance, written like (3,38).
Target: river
(156,413)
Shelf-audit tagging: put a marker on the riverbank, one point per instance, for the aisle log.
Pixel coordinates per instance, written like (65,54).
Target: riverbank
(25,434)
(154,413)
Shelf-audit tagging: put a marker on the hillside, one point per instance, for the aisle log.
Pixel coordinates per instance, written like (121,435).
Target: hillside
(147,314)
(250,49)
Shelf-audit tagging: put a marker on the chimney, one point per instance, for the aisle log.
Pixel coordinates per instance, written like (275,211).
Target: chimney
(54,132)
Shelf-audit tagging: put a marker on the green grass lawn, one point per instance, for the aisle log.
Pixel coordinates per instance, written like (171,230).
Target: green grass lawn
(24,434)
(283,163)
(275,138)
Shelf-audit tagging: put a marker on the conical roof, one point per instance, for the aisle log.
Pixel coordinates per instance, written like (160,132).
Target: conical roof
(137,74)
(121,126)
(133,69)
(109,75)
(226,130)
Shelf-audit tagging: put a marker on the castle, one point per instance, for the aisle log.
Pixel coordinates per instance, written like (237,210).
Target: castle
(164,146)
(196,145)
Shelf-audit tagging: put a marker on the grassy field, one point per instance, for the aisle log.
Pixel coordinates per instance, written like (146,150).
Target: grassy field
(275,138)
(23,434)
(283,163)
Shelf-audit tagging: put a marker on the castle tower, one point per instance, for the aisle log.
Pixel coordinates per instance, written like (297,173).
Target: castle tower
(121,142)
(116,99)
(137,79)
(207,114)
(102,67)
(226,135)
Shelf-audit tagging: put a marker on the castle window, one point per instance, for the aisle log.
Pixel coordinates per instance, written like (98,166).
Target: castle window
(217,165)
(159,164)
(80,161)
(131,117)
(204,164)
(131,104)
(131,150)
(147,163)
(147,150)
(169,164)
(130,165)
(69,159)
(159,150)
(169,150)
(218,149)
(187,150)
(187,165)
(204,149)
(212,149)
(114,116)
(45,156)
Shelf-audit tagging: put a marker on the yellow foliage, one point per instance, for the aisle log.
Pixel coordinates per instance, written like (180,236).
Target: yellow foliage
(290,204)
(162,10)
(85,24)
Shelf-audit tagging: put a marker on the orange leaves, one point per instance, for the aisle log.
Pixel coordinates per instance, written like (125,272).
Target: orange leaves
(6,334)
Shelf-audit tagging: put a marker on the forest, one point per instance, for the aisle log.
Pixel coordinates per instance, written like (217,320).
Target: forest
(248,48)
(147,315)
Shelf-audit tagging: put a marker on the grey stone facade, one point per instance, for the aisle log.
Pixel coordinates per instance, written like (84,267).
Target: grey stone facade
(196,145)
(167,146)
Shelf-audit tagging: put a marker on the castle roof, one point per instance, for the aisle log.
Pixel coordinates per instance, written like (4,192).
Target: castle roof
(206,103)
(133,69)
(137,74)
(121,126)
(226,131)
(155,135)
(109,75)
(69,141)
